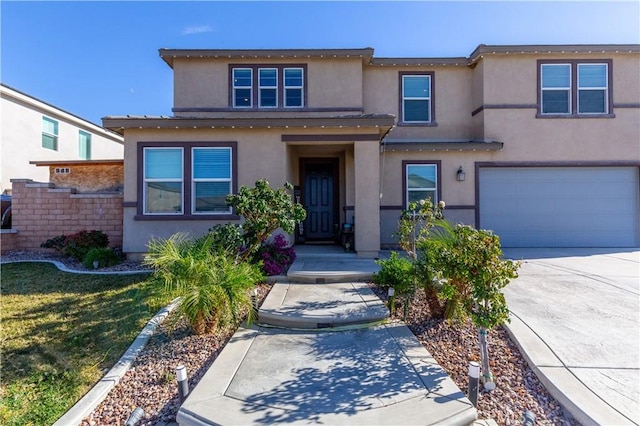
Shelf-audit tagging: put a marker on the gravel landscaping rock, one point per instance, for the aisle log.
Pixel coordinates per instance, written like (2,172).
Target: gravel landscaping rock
(151,384)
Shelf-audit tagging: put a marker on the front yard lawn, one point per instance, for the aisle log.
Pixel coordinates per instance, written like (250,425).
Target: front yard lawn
(60,332)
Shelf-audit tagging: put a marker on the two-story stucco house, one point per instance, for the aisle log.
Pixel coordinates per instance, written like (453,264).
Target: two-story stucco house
(36,131)
(539,143)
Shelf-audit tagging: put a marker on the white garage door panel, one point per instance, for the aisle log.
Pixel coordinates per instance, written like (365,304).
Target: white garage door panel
(561,207)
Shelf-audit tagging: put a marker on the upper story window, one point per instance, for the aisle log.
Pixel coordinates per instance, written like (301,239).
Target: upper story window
(242,88)
(268,86)
(572,88)
(186,180)
(293,87)
(49,133)
(84,145)
(421,182)
(416,98)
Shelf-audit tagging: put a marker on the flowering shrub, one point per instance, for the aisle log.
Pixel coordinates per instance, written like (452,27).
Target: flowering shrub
(276,256)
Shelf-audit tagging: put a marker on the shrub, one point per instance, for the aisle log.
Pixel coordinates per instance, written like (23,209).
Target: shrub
(395,272)
(56,243)
(103,255)
(264,211)
(77,245)
(228,238)
(276,256)
(213,286)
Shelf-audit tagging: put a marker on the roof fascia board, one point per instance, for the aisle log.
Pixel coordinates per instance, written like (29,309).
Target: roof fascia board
(459,61)
(168,55)
(120,123)
(484,49)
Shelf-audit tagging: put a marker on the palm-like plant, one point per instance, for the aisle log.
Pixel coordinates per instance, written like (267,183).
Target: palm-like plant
(213,285)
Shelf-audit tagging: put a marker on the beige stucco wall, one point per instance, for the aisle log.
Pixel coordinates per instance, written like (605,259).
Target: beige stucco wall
(21,138)
(452,89)
(204,83)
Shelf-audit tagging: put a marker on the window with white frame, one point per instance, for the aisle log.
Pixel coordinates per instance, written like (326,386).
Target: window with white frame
(211,180)
(421,182)
(49,133)
(417,96)
(242,87)
(84,145)
(163,181)
(293,87)
(574,88)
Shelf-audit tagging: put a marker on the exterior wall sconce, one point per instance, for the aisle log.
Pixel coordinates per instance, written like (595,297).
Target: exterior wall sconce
(460,175)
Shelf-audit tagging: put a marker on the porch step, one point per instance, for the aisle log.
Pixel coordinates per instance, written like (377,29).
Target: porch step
(331,269)
(321,306)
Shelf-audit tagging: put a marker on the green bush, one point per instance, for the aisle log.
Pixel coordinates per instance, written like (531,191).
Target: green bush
(213,285)
(77,245)
(396,272)
(228,238)
(103,255)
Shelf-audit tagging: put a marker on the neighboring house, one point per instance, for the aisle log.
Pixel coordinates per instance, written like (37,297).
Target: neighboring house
(539,143)
(33,130)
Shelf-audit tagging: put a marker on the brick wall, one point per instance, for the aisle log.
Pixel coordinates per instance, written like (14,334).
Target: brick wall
(41,211)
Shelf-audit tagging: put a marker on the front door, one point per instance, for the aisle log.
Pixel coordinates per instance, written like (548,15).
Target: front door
(319,200)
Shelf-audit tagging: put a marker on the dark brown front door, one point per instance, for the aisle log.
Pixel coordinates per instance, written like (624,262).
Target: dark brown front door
(319,199)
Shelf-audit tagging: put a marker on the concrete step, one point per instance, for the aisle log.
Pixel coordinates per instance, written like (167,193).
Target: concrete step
(319,270)
(318,306)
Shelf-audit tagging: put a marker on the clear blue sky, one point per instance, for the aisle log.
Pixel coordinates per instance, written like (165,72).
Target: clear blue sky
(101,58)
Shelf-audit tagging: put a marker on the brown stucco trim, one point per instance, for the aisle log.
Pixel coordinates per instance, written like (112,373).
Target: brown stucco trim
(391,208)
(252,110)
(438,164)
(255,86)
(168,55)
(502,106)
(484,49)
(127,204)
(442,145)
(331,138)
(186,146)
(481,164)
(135,122)
(432,122)
(417,62)
(574,87)
(630,105)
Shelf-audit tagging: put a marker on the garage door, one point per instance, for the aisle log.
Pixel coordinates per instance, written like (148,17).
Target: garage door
(560,207)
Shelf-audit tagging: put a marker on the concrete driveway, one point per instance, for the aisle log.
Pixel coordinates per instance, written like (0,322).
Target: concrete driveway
(576,316)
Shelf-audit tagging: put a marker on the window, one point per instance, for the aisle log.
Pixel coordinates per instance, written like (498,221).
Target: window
(421,182)
(49,133)
(416,104)
(267,86)
(186,180)
(293,85)
(211,180)
(574,88)
(163,180)
(242,88)
(84,145)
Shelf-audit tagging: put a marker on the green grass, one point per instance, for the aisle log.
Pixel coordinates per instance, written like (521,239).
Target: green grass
(59,331)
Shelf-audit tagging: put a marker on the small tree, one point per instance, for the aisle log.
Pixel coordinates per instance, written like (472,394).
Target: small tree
(471,262)
(414,229)
(264,210)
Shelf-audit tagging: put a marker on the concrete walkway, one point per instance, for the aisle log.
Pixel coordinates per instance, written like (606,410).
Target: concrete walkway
(320,354)
(576,318)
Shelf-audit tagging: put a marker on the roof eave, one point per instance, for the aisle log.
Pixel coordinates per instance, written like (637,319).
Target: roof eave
(119,124)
